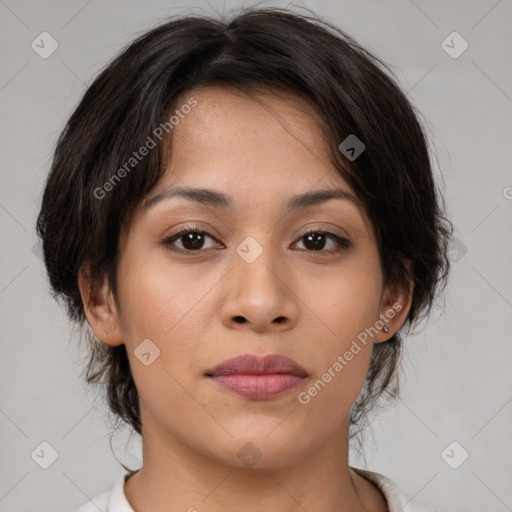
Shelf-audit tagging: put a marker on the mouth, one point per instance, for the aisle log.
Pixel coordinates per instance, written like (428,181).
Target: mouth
(258,377)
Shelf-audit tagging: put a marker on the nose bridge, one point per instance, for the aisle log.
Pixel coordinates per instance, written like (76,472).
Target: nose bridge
(258,293)
(257,266)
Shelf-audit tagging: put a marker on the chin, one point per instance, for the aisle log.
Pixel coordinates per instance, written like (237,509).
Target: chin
(258,450)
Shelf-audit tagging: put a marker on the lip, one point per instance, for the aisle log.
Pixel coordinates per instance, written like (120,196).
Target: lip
(258,377)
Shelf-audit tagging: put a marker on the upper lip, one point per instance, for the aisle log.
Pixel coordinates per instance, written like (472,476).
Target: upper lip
(248,364)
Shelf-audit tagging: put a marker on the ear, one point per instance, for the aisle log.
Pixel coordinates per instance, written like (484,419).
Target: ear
(100,309)
(394,308)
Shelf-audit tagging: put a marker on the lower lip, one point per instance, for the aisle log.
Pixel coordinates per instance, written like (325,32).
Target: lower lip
(258,386)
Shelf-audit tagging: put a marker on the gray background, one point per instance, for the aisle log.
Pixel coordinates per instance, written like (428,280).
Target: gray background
(458,378)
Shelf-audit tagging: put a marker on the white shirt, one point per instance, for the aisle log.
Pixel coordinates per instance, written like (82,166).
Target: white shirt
(115,499)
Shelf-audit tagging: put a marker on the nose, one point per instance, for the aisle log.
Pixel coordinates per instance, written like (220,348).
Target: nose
(260,296)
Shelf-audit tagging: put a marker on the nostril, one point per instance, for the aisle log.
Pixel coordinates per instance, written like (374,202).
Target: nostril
(239,319)
(279,319)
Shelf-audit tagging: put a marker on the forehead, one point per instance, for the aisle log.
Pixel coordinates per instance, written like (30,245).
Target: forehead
(212,100)
(232,135)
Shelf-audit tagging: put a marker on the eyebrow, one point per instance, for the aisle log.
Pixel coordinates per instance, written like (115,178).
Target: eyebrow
(218,199)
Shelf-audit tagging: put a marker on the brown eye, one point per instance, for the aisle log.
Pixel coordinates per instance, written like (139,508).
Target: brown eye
(191,240)
(194,240)
(317,241)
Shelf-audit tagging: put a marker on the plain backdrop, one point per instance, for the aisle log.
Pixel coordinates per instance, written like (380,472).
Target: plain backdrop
(457,383)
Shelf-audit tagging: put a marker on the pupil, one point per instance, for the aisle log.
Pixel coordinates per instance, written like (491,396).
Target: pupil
(317,241)
(189,239)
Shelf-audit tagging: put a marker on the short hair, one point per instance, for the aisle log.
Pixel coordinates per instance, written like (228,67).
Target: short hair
(354,94)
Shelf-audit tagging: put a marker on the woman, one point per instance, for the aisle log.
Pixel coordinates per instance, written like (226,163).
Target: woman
(243,213)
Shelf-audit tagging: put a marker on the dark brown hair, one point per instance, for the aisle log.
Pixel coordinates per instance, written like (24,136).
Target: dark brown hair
(349,87)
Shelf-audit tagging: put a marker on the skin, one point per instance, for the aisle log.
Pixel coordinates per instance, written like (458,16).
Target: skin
(259,152)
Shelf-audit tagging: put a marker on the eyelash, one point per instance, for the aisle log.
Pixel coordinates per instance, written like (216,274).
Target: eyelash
(343,243)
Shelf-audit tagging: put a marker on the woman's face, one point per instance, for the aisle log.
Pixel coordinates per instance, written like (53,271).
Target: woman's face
(261,279)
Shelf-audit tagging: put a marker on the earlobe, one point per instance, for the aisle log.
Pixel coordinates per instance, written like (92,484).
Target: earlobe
(394,309)
(100,309)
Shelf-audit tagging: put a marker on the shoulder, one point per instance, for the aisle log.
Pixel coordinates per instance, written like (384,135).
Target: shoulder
(113,500)
(397,500)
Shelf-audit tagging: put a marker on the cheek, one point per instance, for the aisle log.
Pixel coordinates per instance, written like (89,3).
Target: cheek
(348,306)
(157,298)
(167,306)
(349,301)
(345,355)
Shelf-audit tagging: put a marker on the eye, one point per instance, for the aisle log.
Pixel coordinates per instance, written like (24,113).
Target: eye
(317,240)
(192,240)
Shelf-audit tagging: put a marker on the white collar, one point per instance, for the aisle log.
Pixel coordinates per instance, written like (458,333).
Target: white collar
(397,501)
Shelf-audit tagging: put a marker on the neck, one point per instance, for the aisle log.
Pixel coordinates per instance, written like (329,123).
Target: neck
(178,476)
